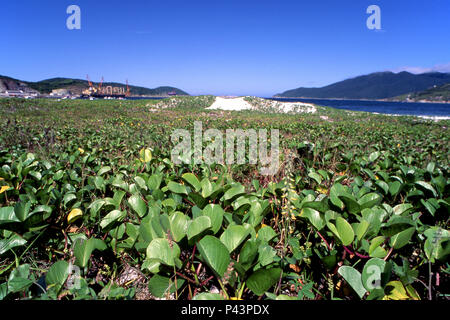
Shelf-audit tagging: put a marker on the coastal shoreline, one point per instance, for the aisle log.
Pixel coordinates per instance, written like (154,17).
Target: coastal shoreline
(343,99)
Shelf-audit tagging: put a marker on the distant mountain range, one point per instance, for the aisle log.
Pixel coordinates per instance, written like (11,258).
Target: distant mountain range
(379,85)
(76,86)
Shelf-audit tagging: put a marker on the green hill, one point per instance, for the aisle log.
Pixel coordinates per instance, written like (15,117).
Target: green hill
(76,86)
(433,94)
(379,85)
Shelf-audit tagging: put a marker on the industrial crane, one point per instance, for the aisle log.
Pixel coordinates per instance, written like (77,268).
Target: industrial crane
(127,94)
(100,85)
(108,91)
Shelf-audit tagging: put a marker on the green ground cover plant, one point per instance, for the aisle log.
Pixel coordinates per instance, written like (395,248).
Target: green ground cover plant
(358,210)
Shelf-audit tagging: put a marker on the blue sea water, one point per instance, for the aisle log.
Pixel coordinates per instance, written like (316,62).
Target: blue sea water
(435,110)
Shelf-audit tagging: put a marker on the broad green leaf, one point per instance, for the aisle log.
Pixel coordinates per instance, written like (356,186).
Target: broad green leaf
(314,217)
(383,185)
(138,205)
(42,208)
(233,236)
(378,252)
(7,215)
(207,188)
(112,217)
(233,192)
(443,249)
(103,170)
(68,198)
(132,230)
(263,279)
(431,205)
(36,175)
(18,279)
(215,254)
(437,245)
(164,251)
(154,181)
(266,233)
(3,290)
(248,254)
(177,188)
(146,230)
(57,274)
(215,214)
(402,238)
(351,204)
(13,241)
(395,225)
(394,188)
(333,229)
(374,216)
(374,156)
(178,225)
(335,191)
(431,166)
(317,177)
(345,231)
(141,183)
(241,201)
(403,208)
(22,209)
(369,200)
(159,285)
(152,265)
(361,229)
(95,207)
(83,250)
(198,225)
(428,187)
(266,254)
(192,180)
(119,183)
(375,250)
(353,278)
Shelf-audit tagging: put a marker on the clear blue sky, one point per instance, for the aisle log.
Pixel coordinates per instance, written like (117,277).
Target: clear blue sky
(235,47)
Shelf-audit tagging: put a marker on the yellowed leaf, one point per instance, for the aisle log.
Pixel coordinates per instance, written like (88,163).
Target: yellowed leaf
(395,291)
(322,190)
(3,189)
(145,155)
(74,215)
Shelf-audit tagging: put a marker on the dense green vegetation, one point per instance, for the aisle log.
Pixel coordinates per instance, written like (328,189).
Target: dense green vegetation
(438,94)
(379,85)
(358,210)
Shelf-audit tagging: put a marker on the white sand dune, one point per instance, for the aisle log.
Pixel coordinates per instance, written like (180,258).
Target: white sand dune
(232,104)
